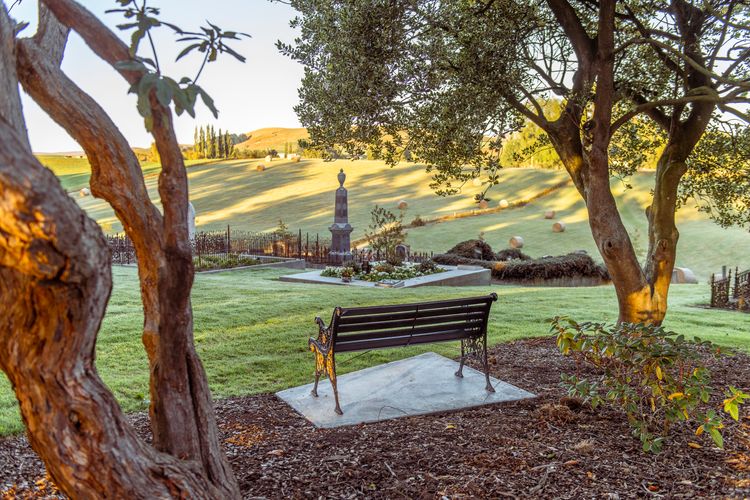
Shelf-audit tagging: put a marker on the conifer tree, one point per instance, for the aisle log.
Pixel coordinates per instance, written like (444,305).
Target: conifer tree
(202,147)
(220,145)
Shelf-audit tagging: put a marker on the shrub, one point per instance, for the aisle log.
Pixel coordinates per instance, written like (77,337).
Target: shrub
(384,267)
(511,254)
(473,249)
(656,377)
(385,232)
(427,266)
(572,265)
(418,221)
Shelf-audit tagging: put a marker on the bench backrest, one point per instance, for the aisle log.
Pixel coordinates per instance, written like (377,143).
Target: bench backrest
(361,328)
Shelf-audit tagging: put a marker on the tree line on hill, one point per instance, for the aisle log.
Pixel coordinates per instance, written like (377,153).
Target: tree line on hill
(208,144)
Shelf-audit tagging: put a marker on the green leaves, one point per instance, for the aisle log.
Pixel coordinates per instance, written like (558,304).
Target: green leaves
(184,94)
(656,377)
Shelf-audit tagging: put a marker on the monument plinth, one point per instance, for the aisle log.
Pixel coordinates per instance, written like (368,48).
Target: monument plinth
(341,230)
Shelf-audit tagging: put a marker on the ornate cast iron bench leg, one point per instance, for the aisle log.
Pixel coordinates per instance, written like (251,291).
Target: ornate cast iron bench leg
(325,361)
(477,347)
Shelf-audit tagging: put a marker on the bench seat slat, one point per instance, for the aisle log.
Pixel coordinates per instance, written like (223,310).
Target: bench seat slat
(377,324)
(474,327)
(361,345)
(374,318)
(422,306)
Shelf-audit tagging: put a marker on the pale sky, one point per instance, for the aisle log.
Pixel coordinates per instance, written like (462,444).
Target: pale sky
(259,93)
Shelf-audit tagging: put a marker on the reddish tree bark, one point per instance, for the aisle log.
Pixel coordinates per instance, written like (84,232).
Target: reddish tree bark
(183,422)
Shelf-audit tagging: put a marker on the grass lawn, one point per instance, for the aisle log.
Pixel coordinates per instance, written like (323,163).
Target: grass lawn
(703,246)
(251,330)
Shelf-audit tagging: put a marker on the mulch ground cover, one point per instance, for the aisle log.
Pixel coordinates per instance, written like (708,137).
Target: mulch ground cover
(548,447)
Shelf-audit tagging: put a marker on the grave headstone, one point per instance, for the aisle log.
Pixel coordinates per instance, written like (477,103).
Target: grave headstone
(191,221)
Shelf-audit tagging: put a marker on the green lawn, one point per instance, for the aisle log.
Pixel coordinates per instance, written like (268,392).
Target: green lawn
(251,329)
(703,247)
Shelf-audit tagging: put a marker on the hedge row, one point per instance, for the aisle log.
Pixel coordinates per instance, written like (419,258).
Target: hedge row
(572,265)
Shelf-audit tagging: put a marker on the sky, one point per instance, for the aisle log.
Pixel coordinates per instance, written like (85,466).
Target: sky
(259,93)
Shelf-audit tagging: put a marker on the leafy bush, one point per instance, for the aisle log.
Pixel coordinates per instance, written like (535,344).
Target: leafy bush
(211,262)
(385,232)
(428,266)
(418,221)
(381,271)
(657,378)
(473,249)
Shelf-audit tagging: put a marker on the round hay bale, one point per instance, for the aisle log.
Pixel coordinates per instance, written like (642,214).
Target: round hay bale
(268,158)
(504,204)
(477,182)
(682,275)
(550,214)
(516,242)
(558,227)
(402,205)
(260,167)
(84,192)
(295,159)
(483,204)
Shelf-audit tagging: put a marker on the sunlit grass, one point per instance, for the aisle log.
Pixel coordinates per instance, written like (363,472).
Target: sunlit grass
(251,330)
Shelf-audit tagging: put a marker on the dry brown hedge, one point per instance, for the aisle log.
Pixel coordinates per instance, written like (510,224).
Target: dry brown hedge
(572,265)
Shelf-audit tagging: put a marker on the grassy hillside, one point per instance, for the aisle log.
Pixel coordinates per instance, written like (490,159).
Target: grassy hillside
(273,138)
(250,341)
(235,193)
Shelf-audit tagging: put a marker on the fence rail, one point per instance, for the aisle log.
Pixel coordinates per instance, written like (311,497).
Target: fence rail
(224,247)
(728,293)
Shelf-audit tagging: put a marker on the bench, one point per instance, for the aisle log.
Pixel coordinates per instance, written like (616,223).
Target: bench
(377,327)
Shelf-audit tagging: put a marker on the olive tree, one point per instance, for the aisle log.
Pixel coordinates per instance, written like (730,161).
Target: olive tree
(55,267)
(438,78)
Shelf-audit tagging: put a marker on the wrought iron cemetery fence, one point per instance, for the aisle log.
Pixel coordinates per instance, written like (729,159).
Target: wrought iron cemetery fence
(222,247)
(729,293)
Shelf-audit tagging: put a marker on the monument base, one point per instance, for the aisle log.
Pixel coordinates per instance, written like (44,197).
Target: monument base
(338,258)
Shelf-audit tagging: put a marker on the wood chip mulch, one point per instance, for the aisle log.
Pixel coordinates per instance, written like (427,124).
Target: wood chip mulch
(548,447)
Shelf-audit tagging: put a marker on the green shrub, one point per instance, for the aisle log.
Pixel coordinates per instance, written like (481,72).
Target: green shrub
(418,221)
(657,378)
(428,266)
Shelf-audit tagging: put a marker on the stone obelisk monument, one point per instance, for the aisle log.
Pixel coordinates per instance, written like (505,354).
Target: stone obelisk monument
(341,229)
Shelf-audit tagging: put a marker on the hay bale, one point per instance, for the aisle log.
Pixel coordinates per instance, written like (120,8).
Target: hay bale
(558,227)
(516,242)
(683,275)
(402,205)
(504,204)
(483,204)
(268,158)
(477,182)
(260,167)
(84,192)
(296,159)
(550,214)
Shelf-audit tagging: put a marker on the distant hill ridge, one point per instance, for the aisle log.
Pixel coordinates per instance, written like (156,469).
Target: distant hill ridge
(273,138)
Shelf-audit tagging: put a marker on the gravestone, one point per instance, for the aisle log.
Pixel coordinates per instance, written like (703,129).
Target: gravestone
(402,252)
(191,221)
(341,230)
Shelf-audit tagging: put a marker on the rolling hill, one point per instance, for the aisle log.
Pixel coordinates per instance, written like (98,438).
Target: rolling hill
(272,138)
(301,194)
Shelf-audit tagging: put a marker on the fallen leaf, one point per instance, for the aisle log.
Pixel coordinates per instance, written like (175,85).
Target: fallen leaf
(276,453)
(572,462)
(694,445)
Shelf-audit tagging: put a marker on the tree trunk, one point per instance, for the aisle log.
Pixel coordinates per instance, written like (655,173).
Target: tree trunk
(183,422)
(55,281)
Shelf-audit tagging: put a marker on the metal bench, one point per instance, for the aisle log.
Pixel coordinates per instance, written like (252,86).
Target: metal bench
(377,327)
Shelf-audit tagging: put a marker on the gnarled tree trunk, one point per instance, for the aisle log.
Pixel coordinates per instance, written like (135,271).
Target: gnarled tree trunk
(105,458)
